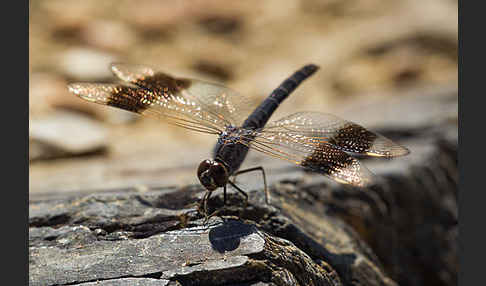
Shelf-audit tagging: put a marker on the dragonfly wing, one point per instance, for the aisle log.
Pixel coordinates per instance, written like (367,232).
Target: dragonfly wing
(318,156)
(217,99)
(193,104)
(320,142)
(344,135)
(146,102)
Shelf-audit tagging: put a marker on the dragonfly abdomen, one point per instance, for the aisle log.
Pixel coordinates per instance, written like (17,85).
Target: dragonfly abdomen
(262,113)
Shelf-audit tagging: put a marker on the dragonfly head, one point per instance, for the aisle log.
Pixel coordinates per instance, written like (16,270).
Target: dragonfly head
(212,174)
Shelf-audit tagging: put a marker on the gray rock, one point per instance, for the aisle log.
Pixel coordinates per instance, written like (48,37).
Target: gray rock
(128,282)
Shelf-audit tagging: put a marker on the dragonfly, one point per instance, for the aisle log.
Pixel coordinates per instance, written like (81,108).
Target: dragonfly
(316,141)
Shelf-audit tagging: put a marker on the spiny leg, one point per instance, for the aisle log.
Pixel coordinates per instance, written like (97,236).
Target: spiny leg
(260,168)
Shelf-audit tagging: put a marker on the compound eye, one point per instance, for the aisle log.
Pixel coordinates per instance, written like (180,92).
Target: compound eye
(206,181)
(219,174)
(206,176)
(203,167)
(212,174)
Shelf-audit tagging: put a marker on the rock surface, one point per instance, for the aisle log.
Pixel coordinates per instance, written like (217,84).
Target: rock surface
(402,231)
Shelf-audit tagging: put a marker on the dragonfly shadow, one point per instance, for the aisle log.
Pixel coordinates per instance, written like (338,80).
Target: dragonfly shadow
(228,235)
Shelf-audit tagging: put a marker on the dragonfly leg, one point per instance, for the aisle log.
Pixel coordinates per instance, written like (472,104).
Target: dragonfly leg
(211,215)
(241,192)
(205,202)
(206,216)
(224,195)
(260,168)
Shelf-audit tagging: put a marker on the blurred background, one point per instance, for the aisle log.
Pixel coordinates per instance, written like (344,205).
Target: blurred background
(370,52)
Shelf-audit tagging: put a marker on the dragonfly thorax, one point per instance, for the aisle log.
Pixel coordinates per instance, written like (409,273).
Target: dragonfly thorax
(233,135)
(212,174)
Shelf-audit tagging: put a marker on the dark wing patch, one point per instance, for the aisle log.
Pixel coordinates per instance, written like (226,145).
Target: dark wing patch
(338,165)
(124,97)
(354,138)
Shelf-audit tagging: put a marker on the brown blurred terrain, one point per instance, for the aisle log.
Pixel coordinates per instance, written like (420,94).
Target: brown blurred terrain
(370,52)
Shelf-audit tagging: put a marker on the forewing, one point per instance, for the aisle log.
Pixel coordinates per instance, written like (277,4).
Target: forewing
(216,99)
(345,135)
(318,156)
(170,107)
(193,104)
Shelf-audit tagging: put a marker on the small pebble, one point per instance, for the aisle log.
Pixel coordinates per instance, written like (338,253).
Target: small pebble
(87,64)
